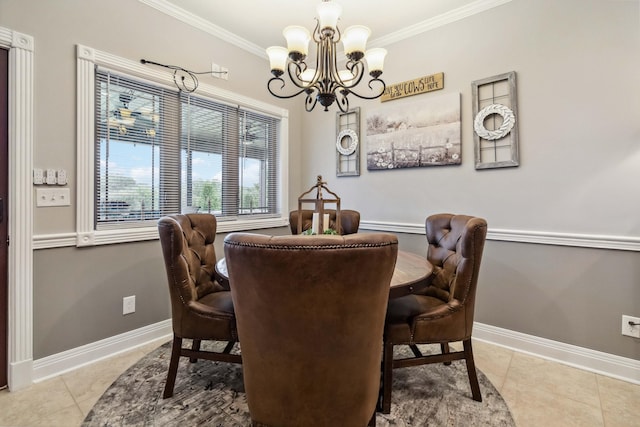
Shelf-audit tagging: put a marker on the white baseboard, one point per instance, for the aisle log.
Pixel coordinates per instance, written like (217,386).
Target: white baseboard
(579,357)
(582,358)
(20,374)
(69,360)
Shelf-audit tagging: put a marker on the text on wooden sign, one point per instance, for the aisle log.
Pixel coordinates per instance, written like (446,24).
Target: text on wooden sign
(413,87)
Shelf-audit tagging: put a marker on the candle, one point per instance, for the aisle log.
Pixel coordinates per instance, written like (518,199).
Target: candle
(314,223)
(325,222)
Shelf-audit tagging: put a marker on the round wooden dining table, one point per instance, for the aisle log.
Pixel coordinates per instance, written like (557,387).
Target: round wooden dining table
(411,274)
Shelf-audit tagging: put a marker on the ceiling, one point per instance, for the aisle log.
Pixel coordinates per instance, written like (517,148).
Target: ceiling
(257,24)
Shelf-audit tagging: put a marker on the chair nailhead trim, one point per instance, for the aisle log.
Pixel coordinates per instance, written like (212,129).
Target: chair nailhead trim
(309,247)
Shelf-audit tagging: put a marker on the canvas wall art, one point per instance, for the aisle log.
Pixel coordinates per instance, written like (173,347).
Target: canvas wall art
(416,134)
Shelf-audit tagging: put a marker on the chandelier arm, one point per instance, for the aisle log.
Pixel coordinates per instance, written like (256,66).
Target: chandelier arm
(357,75)
(330,66)
(298,68)
(370,87)
(281,87)
(336,36)
(311,101)
(343,102)
(336,80)
(316,36)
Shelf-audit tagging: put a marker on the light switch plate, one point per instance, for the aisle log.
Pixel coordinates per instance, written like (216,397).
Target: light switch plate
(53,197)
(51,177)
(61,175)
(38,176)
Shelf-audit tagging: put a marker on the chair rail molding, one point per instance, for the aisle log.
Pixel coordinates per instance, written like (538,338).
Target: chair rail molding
(594,241)
(20,265)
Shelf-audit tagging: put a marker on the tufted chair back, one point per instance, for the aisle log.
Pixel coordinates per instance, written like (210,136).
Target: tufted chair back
(455,246)
(443,312)
(349,220)
(201,309)
(310,314)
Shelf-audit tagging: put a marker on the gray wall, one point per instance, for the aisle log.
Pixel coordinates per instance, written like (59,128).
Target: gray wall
(577,63)
(78,291)
(578,68)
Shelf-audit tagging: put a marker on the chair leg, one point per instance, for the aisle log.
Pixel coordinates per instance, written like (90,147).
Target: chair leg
(471,370)
(372,421)
(387,377)
(445,349)
(173,367)
(195,347)
(229,347)
(416,351)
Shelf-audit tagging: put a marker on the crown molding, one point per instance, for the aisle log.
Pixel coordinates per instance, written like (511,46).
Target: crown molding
(195,21)
(202,24)
(441,20)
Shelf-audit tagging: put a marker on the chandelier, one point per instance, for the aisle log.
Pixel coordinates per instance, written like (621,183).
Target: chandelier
(325,83)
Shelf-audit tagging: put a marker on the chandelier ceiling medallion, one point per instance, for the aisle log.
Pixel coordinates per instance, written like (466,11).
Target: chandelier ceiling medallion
(325,83)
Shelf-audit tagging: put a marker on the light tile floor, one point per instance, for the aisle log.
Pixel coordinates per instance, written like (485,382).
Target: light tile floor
(538,392)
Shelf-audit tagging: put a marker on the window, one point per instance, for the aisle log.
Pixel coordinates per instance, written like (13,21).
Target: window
(155,151)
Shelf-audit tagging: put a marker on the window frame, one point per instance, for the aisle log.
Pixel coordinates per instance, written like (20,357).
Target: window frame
(86,233)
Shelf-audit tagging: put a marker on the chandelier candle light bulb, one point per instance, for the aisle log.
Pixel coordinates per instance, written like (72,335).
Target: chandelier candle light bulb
(375,61)
(355,40)
(323,82)
(329,12)
(297,42)
(277,59)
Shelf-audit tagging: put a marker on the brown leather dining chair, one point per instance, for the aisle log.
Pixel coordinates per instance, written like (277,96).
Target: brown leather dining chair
(349,220)
(310,313)
(443,313)
(201,309)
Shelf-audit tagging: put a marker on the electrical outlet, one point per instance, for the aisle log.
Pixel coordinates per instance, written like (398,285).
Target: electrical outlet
(631,326)
(215,70)
(219,72)
(129,305)
(53,197)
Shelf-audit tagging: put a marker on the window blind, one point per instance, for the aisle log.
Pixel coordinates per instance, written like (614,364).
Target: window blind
(160,151)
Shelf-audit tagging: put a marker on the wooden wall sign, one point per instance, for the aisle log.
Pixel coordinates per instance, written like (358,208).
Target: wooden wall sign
(413,87)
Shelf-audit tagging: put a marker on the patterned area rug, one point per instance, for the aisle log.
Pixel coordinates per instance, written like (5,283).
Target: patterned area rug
(212,394)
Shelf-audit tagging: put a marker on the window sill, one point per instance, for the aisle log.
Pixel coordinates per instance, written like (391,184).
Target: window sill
(126,235)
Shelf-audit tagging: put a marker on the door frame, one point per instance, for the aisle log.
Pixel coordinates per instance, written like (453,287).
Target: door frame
(20,214)
(4,229)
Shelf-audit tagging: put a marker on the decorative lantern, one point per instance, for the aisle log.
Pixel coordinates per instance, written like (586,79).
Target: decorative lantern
(320,221)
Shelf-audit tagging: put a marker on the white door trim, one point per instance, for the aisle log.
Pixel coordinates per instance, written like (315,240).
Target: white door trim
(20,215)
